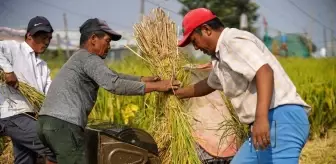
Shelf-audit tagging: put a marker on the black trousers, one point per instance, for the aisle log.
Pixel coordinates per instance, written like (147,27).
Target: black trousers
(22,129)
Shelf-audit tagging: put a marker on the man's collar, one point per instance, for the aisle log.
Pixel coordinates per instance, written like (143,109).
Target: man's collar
(27,47)
(214,57)
(221,37)
(30,51)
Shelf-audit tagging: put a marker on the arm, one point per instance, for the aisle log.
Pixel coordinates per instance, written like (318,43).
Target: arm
(162,86)
(139,78)
(265,85)
(129,77)
(110,80)
(202,88)
(151,82)
(197,90)
(6,65)
(250,62)
(5,57)
(135,78)
(48,82)
(95,68)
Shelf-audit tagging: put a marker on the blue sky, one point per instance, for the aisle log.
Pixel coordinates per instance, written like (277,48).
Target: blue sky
(122,14)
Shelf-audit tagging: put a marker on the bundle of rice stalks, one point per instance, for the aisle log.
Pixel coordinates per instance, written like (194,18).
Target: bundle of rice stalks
(6,154)
(156,36)
(233,125)
(33,96)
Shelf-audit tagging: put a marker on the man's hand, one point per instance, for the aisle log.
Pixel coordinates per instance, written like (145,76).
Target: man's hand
(11,79)
(162,86)
(205,66)
(261,133)
(197,90)
(168,85)
(150,79)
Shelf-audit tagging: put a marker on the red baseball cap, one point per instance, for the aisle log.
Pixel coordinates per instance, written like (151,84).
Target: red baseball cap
(192,20)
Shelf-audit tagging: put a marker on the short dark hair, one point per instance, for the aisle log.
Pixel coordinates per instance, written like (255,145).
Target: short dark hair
(213,23)
(85,36)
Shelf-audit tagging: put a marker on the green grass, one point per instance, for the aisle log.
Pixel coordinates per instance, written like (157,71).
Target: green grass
(315,80)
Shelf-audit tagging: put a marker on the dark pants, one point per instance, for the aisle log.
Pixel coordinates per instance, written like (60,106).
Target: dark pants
(26,143)
(63,138)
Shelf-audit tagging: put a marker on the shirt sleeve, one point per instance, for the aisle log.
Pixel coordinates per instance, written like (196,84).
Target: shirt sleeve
(244,56)
(5,57)
(95,68)
(129,77)
(214,82)
(48,82)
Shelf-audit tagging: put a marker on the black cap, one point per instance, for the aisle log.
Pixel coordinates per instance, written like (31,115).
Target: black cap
(96,24)
(39,23)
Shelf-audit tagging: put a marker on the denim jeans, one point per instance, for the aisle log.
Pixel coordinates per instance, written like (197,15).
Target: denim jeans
(289,130)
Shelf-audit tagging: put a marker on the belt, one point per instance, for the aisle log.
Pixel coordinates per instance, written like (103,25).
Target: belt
(31,115)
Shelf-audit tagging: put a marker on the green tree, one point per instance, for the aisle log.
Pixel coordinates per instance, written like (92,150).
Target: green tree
(228,11)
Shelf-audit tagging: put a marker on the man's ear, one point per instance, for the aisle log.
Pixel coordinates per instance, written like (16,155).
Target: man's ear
(206,29)
(93,39)
(29,36)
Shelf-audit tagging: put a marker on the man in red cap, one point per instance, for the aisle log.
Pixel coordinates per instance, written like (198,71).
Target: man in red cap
(261,92)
